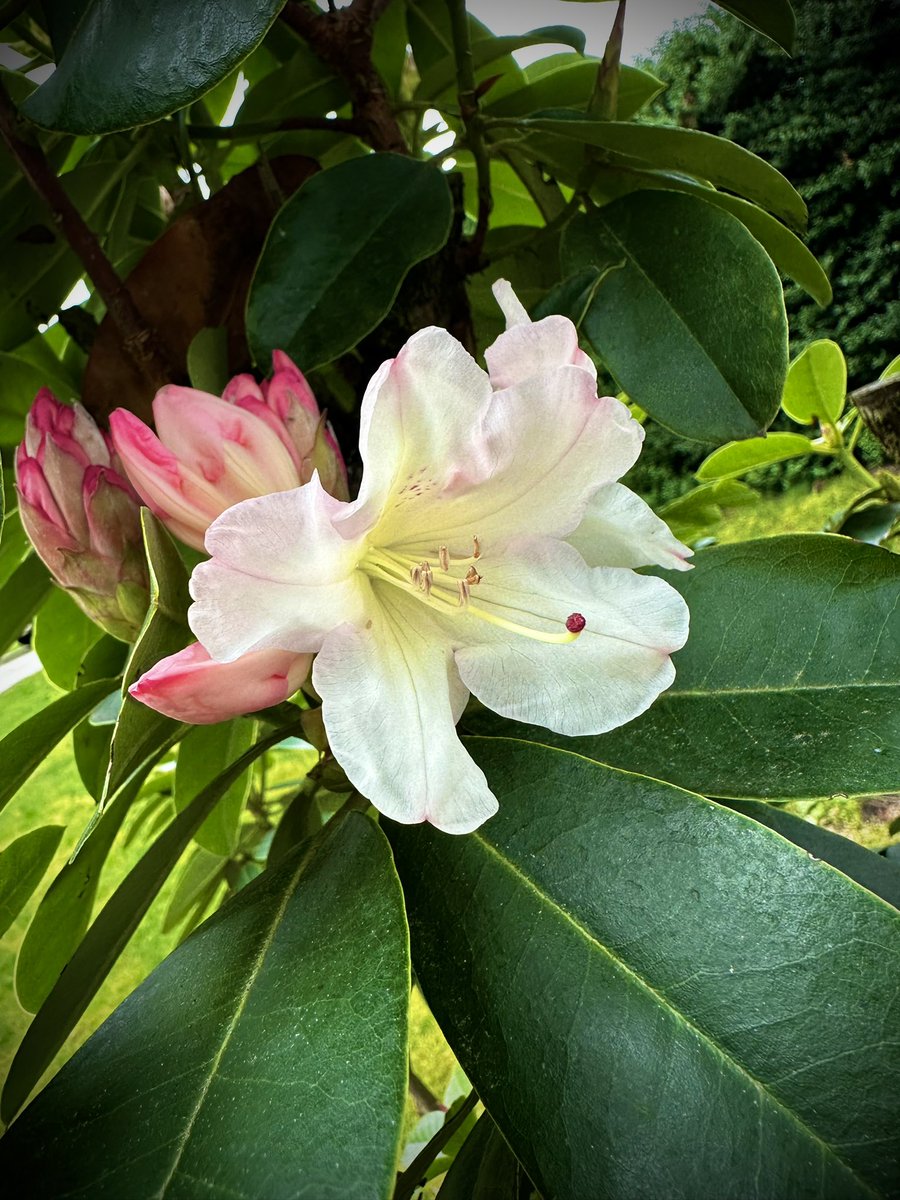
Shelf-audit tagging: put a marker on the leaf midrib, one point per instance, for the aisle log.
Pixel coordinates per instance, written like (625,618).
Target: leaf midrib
(713,693)
(252,975)
(548,902)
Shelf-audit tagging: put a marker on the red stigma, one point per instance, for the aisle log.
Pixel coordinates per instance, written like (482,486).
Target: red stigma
(575,623)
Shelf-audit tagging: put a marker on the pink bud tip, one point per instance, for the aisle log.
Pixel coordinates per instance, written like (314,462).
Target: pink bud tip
(575,623)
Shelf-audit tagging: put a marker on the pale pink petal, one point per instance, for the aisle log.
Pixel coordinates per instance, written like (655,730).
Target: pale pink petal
(607,676)
(390,701)
(281,575)
(620,530)
(190,686)
(527,350)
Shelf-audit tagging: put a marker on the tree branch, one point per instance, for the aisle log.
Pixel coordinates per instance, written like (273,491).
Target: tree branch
(139,341)
(342,39)
(256,129)
(468,107)
(878,404)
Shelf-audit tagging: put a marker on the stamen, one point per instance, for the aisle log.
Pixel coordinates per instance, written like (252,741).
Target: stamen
(472,577)
(476,544)
(427,578)
(444,558)
(463,593)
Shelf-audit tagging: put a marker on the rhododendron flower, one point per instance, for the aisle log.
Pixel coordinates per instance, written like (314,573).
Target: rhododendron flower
(81,515)
(210,452)
(192,687)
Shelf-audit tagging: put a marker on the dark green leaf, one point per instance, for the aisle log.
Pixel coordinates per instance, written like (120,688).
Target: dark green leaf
(774,18)
(737,458)
(871,524)
(299,989)
(22,867)
(654,995)
(789,685)
(689,151)
(25,747)
(65,910)
(337,253)
(22,381)
(689,317)
(484,1169)
(207,360)
(126,65)
(302,87)
(204,751)
(140,732)
(867,868)
(109,934)
(20,597)
(62,637)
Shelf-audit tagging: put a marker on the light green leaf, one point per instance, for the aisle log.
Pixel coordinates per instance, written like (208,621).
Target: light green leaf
(567,81)
(204,751)
(789,685)
(24,748)
(816,384)
(22,381)
(62,637)
(202,872)
(302,87)
(653,994)
(128,65)
(298,987)
(689,316)
(489,49)
(739,457)
(139,731)
(22,866)
(699,511)
(337,253)
(20,597)
(485,1168)
(109,934)
(774,18)
(690,151)
(893,368)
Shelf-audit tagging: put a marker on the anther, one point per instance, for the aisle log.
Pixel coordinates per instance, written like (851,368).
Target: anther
(575,623)
(472,577)
(463,593)
(476,547)
(426,578)
(444,558)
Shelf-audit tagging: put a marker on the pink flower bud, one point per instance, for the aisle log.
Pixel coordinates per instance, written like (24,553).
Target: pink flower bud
(81,514)
(192,687)
(210,452)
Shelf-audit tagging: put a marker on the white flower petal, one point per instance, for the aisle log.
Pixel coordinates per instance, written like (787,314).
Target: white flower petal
(551,443)
(390,702)
(527,350)
(620,530)
(281,576)
(610,674)
(418,427)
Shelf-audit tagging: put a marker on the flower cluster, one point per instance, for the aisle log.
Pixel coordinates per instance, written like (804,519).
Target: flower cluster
(489,552)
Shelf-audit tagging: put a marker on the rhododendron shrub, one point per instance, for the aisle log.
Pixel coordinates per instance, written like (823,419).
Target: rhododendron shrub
(457,793)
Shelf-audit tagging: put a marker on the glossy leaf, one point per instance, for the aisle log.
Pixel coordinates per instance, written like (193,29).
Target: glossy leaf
(128,65)
(484,1169)
(698,512)
(204,751)
(487,50)
(689,314)
(301,87)
(207,360)
(567,80)
(24,748)
(20,597)
(689,151)
(866,867)
(653,994)
(22,380)
(298,988)
(816,384)
(139,731)
(108,935)
(22,866)
(893,368)
(337,253)
(774,18)
(202,872)
(62,637)
(872,523)
(789,685)
(739,457)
